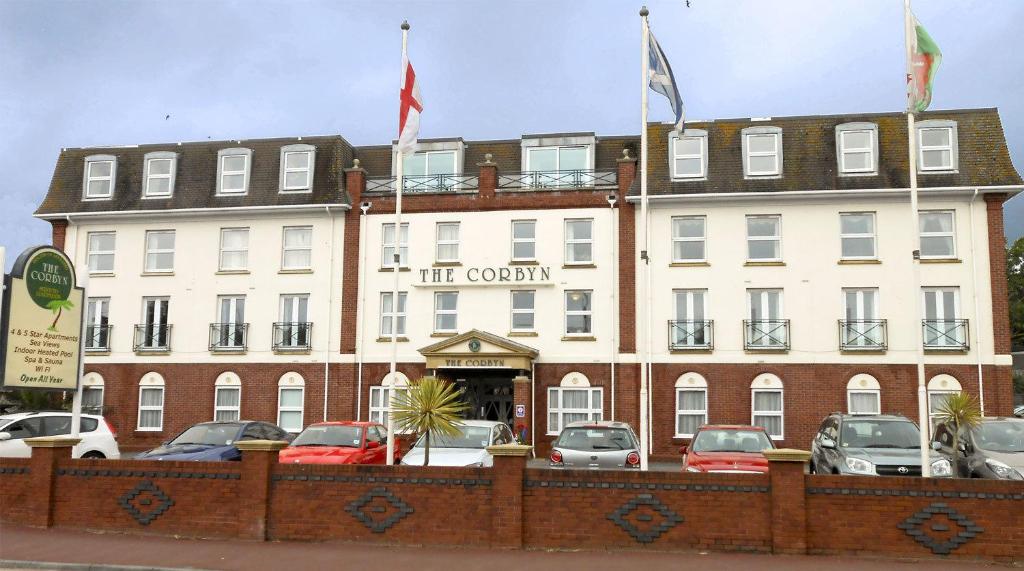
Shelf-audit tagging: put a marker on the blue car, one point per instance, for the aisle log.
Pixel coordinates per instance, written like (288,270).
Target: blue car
(214,441)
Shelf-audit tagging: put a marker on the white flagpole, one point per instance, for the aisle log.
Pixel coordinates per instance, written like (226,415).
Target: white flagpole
(643,314)
(397,261)
(922,389)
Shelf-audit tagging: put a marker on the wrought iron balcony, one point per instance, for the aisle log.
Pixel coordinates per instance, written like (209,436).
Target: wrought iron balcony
(766,334)
(559,179)
(862,335)
(152,337)
(688,334)
(293,336)
(413,184)
(946,334)
(97,337)
(229,336)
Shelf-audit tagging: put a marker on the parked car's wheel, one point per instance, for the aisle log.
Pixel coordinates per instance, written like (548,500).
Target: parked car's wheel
(93,454)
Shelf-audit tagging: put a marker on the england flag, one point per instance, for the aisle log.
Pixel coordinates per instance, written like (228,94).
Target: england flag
(409,109)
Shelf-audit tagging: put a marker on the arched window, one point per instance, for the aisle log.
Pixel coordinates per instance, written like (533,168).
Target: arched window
(92,393)
(767,405)
(291,398)
(573,400)
(691,404)
(380,396)
(863,395)
(939,388)
(151,402)
(227,398)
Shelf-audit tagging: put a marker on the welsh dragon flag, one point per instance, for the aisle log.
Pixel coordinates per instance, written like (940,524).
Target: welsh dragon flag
(924,60)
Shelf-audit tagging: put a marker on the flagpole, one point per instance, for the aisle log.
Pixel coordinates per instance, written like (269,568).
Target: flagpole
(922,389)
(397,261)
(644,282)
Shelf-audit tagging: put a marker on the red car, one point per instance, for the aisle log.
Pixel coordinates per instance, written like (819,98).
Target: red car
(343,442)
(729,449)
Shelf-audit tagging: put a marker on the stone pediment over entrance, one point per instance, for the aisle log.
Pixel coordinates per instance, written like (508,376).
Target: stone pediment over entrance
(476,349)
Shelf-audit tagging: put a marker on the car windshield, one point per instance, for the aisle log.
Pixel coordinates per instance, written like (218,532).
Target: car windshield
(595,439)
(468,437)
(879,434)
(1000,436)
(330,435)
(209,434)
(730,440)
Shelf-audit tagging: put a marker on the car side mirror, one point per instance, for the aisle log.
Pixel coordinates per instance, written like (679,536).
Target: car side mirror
(5,436)
(827,442)
(963,447)
(936,445)
(372,444)
(682,449)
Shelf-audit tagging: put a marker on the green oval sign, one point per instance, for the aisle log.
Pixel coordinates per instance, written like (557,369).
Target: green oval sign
(49,280)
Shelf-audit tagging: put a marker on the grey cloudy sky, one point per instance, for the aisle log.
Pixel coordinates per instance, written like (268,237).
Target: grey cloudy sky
(84,73)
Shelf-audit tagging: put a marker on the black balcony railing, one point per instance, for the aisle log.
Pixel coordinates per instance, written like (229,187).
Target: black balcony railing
(424,183)
(152,337)
(689,334)
(228,336)
(559,179)
(946,334)
(293,336)
(766,334)
(862,335)
(97,337)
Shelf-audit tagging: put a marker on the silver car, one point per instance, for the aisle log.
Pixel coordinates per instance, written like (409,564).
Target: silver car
(602,445)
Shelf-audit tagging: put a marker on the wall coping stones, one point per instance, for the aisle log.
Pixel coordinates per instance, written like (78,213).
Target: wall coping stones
(510,450)
(261,445)
(52,442)
(787,455)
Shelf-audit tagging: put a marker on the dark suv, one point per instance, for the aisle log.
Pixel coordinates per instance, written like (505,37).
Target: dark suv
(871,445)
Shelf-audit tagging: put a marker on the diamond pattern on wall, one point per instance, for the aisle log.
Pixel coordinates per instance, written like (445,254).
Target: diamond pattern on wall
(643,526)
(934,534)
(379,509)
(145,502)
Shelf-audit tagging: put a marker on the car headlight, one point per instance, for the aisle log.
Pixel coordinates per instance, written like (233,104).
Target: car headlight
(1003,471)
(941,468)
(692,469)
(860,466)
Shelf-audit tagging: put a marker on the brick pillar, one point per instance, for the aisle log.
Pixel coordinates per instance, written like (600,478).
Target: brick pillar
(47,451)
(627,255)
(355,184)
(997,269)
(258,460)
(507,494)
(60,231)
(522,396)
(488,177)
(786,468)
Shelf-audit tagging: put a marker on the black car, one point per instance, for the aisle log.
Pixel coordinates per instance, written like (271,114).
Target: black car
(215,441)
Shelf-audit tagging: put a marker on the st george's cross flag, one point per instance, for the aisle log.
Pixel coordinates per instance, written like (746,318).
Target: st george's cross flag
(663,81)
(409,109)
(924,61)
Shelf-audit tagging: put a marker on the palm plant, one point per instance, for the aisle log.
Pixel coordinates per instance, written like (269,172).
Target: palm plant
(961,412)
(430,406)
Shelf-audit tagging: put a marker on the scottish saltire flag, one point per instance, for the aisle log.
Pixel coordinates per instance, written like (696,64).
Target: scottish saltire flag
(662,81)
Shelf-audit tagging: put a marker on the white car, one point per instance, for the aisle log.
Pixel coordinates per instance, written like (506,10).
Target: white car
(468,449)
(98,438)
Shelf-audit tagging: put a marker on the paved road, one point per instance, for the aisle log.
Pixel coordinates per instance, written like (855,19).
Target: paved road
(69,546)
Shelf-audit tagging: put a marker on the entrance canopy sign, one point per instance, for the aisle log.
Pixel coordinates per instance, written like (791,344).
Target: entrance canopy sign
(40,342)
(478,350)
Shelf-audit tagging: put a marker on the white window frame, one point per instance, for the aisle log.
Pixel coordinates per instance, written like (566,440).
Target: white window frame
(873,392)
(703,238)
(227,382)
(749,132)
(842,151)
(91,253)
(101,304)
(440,242)
(532,241)
(154,251)
(291,382)
(285,250)
(951,234)
(397,311)
(941,314)
(403,245)
(558,157)
(87,177)
(872,235)
(775,238)
(571,242)
(532,311)
(674,139)
(594,414)
(172,158)
(151,381)
(681,412)
(583,312)
(952,147)
(222,156)
(781,414)
(379,413)
(287,150)
(92,388)
(223,250)
(439,312)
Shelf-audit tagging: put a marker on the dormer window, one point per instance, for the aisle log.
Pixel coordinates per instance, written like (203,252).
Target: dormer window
(689,154)
(762,152)
(297,168)
(233,171)
(561,161)
(857,148)
(428,170)
(159,176)
(100,172)
(937,146)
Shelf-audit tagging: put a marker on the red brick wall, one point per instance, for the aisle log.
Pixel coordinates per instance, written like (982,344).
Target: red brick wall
(16,490)
(997,267)
(60,231)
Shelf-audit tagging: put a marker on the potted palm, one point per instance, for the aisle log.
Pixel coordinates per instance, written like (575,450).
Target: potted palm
(961,412)
(431,406)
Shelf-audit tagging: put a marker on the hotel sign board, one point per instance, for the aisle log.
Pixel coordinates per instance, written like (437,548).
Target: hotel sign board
(484,276)
(41,321)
